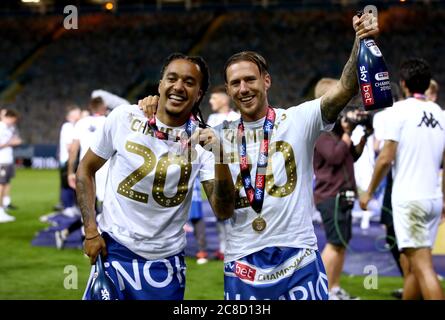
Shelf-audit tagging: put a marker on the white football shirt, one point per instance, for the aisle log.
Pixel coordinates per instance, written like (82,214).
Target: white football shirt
(288,201)
(364,166)
(85,130)
(215,119)
(149,188)
(65,139)
(6,153)
(419,128)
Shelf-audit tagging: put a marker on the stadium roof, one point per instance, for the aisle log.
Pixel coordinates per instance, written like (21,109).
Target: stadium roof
(54,6)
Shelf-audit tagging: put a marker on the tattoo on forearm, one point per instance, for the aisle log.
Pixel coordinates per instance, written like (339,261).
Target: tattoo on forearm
(332,104)
(349,75)
(85,199)
(221,193)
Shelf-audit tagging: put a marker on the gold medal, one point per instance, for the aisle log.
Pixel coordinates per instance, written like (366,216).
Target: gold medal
(259,224)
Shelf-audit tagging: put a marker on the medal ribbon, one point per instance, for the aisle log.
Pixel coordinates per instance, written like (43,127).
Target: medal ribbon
(190,127)
(255,196)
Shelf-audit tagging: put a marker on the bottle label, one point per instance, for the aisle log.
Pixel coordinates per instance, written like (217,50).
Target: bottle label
(381,76)
(383,85)
(368,98)
(363,74)
(373,48)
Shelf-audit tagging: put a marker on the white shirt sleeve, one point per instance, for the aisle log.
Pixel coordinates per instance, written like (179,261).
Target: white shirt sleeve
(393,131)
(77,130)
(207,169)
(211,120)
(103,142)
(66,134)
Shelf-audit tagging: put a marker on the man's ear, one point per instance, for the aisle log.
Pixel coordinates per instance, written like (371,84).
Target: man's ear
(267,81)
(227,88)
(159,87)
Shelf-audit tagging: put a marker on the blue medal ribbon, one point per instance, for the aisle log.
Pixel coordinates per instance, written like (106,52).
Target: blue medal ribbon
(255,196)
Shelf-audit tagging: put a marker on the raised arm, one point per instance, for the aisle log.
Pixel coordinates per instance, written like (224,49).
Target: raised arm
(86,197)
(333,101)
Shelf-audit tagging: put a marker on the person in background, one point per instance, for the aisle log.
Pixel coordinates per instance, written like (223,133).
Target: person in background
(8,140)
(66,136)
(416,135)
(220,104)
(433,91)
(334,158)
(83,135)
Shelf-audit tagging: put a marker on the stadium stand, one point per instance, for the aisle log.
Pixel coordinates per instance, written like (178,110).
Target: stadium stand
(118,53)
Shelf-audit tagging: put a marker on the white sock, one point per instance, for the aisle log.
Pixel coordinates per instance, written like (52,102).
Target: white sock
(334,289)
(6,201)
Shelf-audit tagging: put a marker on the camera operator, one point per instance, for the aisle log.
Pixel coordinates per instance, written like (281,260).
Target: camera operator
(364,166)
(335,191)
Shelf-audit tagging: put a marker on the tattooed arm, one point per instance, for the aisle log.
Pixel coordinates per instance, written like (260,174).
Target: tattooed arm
(333,101)
(86,197)
(221,192)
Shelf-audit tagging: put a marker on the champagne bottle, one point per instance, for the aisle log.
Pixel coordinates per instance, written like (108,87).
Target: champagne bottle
(373,76)
(102,288)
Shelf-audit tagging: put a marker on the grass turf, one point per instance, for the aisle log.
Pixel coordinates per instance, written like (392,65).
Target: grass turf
(28,272)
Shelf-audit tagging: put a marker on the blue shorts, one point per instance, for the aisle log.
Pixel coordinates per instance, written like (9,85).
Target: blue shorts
(277,273)
(137,278)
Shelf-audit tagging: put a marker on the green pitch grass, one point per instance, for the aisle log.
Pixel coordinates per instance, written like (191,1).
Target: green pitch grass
(28,272)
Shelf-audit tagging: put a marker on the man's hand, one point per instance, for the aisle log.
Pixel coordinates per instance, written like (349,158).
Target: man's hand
(149,105)
(207,136)
(364,200)
(365,26)
(72,180)
(15,141)
(94,247)
(208,139)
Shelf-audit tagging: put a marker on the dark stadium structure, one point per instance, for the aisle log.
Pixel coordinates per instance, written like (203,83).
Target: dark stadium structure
(46,66)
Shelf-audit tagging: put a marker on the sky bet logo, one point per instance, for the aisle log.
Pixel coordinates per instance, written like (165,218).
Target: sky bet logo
(244,272)
(260,181)
(262,160)
(244,165)
(368,99)
(363,74)
(366,88)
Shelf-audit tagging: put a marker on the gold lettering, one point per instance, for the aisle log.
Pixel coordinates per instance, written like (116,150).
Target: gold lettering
(125,186)
(135,125)
(161,176)
(291,170)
